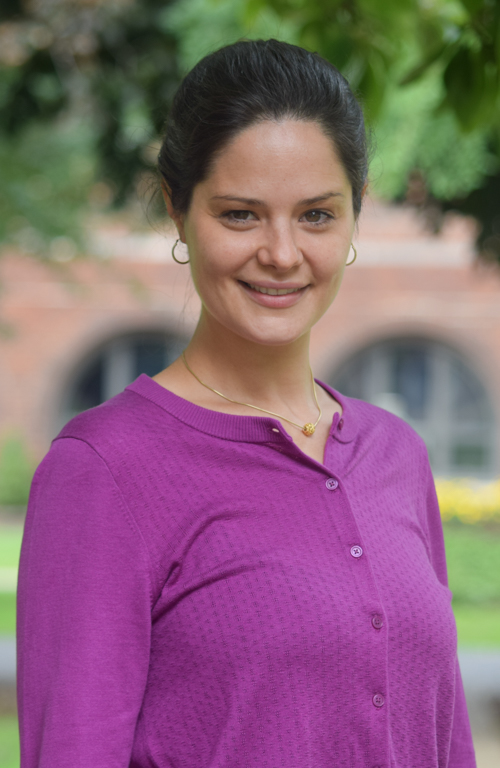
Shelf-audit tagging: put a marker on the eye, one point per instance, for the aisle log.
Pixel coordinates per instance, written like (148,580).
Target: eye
(317,217)
(239,216)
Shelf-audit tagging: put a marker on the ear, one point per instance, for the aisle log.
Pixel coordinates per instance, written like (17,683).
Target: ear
(365,187)
(176,217)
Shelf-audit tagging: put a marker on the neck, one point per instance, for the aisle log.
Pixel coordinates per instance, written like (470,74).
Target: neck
(246,371)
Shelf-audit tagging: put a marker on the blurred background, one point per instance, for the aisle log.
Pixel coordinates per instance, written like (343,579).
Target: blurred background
(90,297)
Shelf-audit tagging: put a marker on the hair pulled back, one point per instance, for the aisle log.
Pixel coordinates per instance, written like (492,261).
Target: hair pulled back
(248,82)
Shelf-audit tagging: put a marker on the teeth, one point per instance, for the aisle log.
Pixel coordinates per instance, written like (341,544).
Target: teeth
(274,291)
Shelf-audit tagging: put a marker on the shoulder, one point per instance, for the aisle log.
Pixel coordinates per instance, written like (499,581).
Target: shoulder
(388,431)
(91,442)
(134,436)
(127,423)
(110,423)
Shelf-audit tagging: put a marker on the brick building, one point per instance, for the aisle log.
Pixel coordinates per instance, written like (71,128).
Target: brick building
(415,328)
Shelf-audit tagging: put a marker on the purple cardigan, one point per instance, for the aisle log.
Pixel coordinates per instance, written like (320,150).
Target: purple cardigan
(196,592)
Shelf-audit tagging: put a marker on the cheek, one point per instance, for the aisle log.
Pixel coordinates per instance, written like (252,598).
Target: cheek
(330,269)
(330,280)
(211,272)
(216,258)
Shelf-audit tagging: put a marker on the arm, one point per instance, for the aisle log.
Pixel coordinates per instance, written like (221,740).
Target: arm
(461,746)
(83,616)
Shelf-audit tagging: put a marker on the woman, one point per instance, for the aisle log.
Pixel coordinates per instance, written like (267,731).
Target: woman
(232,564)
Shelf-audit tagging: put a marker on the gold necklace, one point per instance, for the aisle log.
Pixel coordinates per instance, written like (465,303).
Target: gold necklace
(308,429)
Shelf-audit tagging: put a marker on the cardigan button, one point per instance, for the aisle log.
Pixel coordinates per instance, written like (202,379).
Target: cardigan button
(378,700)
(340,425)
(356,551)
(332,484)
(377,621)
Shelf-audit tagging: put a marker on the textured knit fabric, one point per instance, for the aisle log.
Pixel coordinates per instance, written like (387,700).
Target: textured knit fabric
(196,592)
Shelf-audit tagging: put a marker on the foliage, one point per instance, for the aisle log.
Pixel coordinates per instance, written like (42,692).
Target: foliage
(47,177)
(16,473)
(410,135)
(412,131)
(426,70)
(386,46)
(202,27)
(368,39)
(113,64)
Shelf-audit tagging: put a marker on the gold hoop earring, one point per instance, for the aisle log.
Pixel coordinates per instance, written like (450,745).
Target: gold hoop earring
(173,254)
(348,263)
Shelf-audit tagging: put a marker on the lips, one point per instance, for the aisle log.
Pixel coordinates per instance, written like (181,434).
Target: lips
(272,291)
(276,298)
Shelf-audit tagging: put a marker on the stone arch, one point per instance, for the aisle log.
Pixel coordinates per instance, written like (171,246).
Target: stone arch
(110,365)
(434,387)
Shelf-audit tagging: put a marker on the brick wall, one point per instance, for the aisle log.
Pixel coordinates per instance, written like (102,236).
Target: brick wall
(405,281)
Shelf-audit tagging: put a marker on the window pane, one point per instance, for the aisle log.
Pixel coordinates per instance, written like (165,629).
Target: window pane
(469,400)
(410,368)
(470,456)
(88,389)
(351,381)
(124,359)
(150,357)
(428,384)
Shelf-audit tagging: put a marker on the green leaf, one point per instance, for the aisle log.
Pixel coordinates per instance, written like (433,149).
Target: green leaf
(473,6)
(420,69)
(471,88)
(372,86)
(251,11)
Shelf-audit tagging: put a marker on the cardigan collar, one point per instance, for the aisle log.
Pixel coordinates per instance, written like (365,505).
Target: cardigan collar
(250,429)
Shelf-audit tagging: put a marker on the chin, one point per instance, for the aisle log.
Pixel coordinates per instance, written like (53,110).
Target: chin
(272,339)
(268,332)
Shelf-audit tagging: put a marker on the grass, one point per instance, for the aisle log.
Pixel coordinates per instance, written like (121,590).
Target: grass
(473,556)
(478,626)
(10,545)
(9,743)
(7,613)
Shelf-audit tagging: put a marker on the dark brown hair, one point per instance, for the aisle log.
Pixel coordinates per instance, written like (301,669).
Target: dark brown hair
(245,83)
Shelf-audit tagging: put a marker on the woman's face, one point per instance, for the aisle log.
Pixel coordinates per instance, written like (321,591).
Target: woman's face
(269,232)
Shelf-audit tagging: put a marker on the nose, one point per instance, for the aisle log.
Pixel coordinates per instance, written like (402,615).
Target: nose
(280,250)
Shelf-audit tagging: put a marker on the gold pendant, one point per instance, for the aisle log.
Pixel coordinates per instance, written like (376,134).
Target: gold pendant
(308,429)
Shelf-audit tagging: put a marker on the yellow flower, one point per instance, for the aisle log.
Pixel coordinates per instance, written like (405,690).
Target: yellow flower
(469,500)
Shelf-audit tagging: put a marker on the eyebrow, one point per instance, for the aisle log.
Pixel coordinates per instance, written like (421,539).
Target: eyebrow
(252,201)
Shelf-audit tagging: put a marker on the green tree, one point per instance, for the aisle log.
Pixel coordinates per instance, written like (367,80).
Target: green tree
(47,176)
(427,72)
(369,39)
(451,48)
(85,86)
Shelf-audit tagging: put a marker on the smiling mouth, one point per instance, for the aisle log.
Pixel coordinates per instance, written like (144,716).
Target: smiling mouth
(273,291)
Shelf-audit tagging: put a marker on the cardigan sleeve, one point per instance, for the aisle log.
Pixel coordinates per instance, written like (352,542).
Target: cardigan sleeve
(83,616)
(461,753)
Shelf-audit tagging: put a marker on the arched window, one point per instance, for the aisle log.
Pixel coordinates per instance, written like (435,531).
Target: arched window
(115,364)
(432,387)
